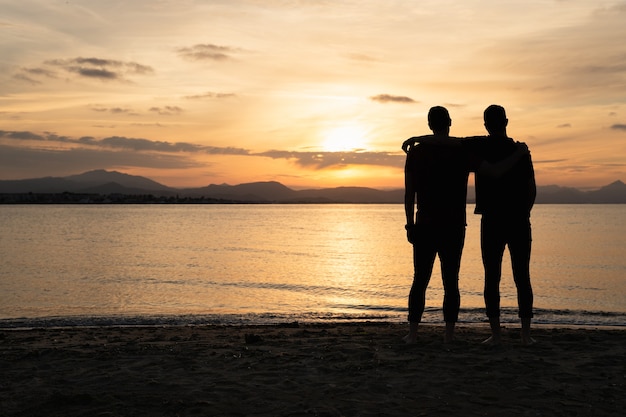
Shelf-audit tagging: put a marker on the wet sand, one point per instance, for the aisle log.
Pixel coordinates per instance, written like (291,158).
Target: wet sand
(331,369)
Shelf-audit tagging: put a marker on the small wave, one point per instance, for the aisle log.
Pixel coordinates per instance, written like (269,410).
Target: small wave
(362,313)
(385,292)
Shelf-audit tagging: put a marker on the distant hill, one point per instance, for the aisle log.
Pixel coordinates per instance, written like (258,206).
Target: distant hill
(614,193)
(257,191)
(98,182)
(103,182)
(99,178)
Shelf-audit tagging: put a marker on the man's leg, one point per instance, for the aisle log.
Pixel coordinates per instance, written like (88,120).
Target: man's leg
(520,248)
(492,248)
(450,252)
(423,260)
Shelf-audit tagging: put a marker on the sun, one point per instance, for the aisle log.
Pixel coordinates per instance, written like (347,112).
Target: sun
(344,138)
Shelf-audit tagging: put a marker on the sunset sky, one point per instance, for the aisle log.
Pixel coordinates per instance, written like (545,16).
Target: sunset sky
(316,93)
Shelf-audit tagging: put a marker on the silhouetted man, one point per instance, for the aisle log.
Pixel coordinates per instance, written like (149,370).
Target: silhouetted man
(505,204)
(436,182)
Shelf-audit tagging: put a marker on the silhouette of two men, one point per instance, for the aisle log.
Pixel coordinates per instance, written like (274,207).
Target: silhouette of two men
(436,173)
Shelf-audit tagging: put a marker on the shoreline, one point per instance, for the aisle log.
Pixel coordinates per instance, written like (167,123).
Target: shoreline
(432,317)
(309,369)
(313,324)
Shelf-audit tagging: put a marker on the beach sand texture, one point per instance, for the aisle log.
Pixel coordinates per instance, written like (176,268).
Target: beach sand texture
(331,369)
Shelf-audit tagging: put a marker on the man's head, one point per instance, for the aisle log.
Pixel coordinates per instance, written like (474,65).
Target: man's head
(495,120)
(439,120)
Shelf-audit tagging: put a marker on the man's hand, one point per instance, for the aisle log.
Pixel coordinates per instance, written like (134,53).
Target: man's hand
(410,233)
(425,139)
(406,145)
(522,148)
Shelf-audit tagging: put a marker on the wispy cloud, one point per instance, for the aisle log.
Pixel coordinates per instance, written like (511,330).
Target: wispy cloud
(167,110)
(388,98)
(125,143)
(113,110)
(31,75)
(210,95)
(313,160)
(33,162)
(20,135)
(92,68)
(207,52)
(619,126)
(322,160)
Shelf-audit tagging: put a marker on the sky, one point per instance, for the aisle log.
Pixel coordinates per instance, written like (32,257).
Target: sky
(311,94)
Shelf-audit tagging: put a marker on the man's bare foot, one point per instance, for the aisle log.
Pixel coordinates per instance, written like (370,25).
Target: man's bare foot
(525,333)
(448,336)
(492,341)
(411,338)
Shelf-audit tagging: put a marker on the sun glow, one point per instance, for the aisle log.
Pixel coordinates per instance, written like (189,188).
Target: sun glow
(344,138)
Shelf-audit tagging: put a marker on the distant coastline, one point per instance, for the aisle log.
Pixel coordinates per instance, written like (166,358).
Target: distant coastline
(111,187)
(81,198)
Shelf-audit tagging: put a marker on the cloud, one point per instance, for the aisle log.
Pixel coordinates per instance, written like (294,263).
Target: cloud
(317,160)
(20,135)
(619,127)
(119,110)
(549,161)
(119,150)
(167,110)
(98,63)
(40,72)
(321,160)
(146,145)
(113,110)
(564,125)
(31,75)
(94,68)
(95,73)
(207,52)
(23,77)
(210,95)
(29,162)
(124,143)
(387,98)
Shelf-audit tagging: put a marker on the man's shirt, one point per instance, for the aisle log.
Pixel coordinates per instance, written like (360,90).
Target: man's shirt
(438,175)
(513,194)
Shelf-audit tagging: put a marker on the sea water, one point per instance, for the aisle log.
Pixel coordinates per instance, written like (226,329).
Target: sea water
(100,264)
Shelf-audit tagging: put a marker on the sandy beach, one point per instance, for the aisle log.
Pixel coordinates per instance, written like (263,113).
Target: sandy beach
(331,369)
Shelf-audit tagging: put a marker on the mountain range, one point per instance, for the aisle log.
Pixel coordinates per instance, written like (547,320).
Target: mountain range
(101,182)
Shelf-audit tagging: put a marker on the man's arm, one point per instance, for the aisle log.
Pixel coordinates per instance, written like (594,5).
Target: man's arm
(407,144)
(409,200)
(532,186)
(498,169)
(430,139)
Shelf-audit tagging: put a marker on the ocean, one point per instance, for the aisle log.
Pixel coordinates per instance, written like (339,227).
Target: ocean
(263,264)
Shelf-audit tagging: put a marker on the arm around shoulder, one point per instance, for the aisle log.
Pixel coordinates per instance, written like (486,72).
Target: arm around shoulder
(498,169)
(407,144)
